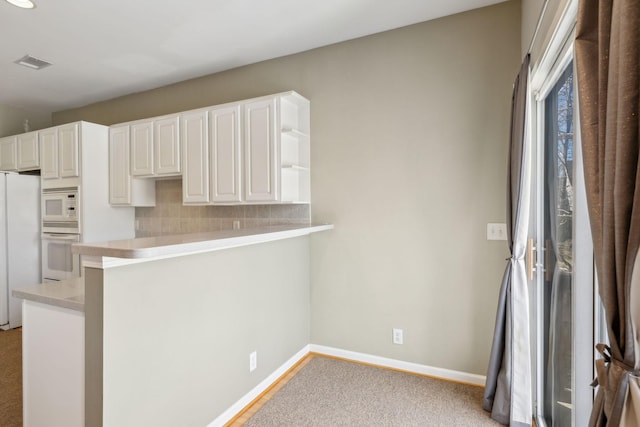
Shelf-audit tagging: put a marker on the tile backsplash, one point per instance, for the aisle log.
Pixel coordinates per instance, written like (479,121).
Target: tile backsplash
(169,216)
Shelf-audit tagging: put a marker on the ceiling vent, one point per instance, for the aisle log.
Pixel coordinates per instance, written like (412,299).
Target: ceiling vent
(33,63)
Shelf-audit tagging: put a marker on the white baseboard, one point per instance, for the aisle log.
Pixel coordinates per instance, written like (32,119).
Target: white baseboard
(235,409)
(416,368)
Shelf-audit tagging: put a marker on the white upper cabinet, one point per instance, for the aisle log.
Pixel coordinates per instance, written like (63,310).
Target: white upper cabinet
(20,152)
(195,154)
(252,151)
(260,150)
(226,154)
(119,176)
(142,149)
(49,153)
(212,155)
(167,146)
(68,150)
(277,154)
(155,147)
(28,151)
(125,190)
(60,152)
(75,154)
(8,153)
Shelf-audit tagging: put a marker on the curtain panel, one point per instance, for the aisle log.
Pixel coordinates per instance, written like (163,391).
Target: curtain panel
(607,55)
(508,385)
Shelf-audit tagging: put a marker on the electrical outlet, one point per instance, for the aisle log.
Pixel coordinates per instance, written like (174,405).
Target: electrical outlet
(236,225)
(253,361)
(397,336)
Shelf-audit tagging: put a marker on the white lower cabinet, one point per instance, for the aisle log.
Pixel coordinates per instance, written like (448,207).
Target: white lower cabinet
(52,365)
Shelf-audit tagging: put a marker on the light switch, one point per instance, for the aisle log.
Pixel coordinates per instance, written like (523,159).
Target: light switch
(496,231)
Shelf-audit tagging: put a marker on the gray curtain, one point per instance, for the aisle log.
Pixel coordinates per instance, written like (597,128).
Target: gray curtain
(607,54)
(508,386)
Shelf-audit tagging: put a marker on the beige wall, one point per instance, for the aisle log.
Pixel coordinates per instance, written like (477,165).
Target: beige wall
(12,120)
(410,166)
(409,148)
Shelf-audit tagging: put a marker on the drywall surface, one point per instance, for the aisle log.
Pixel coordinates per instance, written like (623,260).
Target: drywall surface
(12,120)
(410,134)
(410,166)
(178,332)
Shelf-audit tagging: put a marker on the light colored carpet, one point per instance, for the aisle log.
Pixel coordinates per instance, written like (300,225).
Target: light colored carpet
(11,378)
(329,392)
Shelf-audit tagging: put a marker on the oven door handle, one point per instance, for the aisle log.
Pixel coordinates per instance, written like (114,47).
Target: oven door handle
(71,237)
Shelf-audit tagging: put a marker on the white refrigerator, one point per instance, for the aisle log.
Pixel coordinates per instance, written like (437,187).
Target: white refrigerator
(19,242)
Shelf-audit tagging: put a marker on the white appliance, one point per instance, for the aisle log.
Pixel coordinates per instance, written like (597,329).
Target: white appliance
(60,210)
(19,242)
(60,230)
(58,262)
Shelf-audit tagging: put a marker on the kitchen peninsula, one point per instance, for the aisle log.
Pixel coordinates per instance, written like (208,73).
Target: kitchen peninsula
(170,322)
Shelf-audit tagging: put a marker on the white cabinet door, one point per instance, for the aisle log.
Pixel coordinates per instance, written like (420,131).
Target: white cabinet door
(49,153)
(142,149)
(8,154)
(167,146)
(69,150)
(261,172)
(226,160)
(119,176)
(53,366)
(195,154)
(28,151)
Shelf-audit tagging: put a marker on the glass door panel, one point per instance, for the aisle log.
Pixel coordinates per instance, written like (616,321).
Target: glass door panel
(558,213)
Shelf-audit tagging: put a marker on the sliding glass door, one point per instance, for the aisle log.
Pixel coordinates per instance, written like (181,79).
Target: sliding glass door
(558,216)
(563,283)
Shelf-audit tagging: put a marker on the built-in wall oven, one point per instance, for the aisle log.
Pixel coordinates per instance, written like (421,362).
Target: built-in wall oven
(58,262)
(60,229)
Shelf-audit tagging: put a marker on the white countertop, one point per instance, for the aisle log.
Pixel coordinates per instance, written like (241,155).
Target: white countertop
(184,244)
(65,294)
(70,293)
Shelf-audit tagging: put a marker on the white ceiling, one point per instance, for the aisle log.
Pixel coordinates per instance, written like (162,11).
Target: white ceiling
(101,49)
